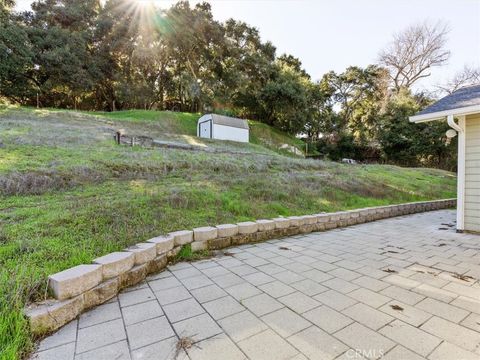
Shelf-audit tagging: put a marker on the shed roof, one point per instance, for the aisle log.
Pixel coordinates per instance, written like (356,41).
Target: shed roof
(229,121)
(464,99)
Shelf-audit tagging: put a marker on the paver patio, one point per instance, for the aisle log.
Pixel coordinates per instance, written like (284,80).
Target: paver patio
(400,288)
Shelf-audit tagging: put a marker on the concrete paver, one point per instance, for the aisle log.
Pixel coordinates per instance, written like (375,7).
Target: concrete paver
(141,312)
(299,302)
(401,353)
(139,295)
(335,300)
(117,351)
(456,334)
(196,282)
(172,295)
(100,314)
(243,291)
(316,344)
(443,310)
(165,349)
(327,318)
(386,288)
(65,335)
(309,287)
(402,295)
(447,351)
(197,328)
(267,345)
(100,335)
(410,314)
(368,316)
(148,332)
(276,289)
(262,304)
(208,293)
(216,348)
(411,337)
(372,344)
(285,322)
(242,325)
(62,352)
(472,321)
(369,297)
(182,310)
(223,307)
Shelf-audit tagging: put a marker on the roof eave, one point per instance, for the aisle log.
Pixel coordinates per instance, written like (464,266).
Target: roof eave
(439,115)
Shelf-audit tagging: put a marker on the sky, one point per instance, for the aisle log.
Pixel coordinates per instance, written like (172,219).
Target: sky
(334,34)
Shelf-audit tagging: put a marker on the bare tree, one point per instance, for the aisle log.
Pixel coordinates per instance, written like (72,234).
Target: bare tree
(414,51)
(467,76)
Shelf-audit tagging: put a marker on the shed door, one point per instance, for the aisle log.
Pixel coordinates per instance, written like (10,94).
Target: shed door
(206,129)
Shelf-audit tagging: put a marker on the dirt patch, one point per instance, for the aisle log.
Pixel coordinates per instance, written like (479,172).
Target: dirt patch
(183,343)
(465,278)
(388,270)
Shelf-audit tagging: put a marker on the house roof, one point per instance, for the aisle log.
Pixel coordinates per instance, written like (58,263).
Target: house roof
(462,101)
(229,121)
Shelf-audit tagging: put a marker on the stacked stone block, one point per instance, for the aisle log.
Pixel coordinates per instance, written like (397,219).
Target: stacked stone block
(84,286)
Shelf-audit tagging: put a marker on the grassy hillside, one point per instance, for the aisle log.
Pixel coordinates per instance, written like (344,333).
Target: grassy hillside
(68,194)
(182,126)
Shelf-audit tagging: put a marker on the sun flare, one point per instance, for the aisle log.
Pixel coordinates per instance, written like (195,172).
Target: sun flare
(139,13)
(144,3)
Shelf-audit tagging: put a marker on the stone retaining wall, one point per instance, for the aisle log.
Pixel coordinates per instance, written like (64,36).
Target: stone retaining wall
(84,286)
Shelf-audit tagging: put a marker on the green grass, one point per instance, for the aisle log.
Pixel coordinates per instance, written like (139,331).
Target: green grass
(271,138)
(68,194)
(171,122)
(186,254)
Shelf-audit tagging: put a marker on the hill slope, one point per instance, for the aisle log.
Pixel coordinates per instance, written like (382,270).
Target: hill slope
(183,126)
(69,194)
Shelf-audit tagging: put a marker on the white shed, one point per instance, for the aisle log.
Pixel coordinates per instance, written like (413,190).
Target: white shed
(213,126)
(462,106)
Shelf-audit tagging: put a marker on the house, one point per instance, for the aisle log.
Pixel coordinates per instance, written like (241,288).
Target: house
(213,126)
(461,110)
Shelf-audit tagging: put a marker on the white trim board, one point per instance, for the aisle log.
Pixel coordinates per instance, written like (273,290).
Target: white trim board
(442,114)
(460,171)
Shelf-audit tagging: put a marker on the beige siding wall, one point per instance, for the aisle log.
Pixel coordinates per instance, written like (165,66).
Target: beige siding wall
(472,172)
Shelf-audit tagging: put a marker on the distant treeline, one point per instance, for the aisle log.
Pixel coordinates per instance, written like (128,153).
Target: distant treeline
(127,54)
